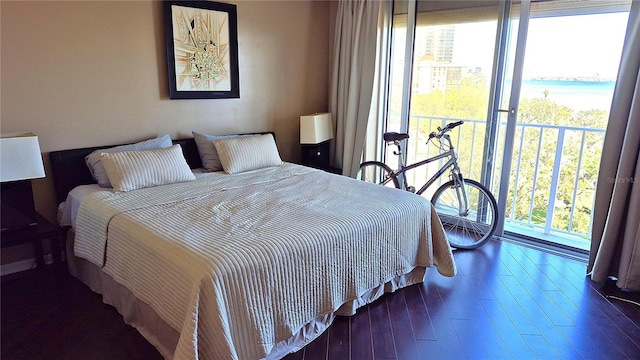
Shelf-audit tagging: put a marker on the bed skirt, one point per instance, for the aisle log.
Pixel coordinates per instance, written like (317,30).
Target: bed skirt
(165,338)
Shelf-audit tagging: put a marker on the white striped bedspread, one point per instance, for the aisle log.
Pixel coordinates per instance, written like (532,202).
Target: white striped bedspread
(238,263)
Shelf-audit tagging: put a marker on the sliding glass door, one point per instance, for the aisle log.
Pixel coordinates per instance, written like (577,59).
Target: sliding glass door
(448,64)
(533,82)
(565,59)
(448,61)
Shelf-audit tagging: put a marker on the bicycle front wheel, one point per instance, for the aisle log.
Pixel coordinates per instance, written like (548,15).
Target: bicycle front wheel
(377,173)
(466,228)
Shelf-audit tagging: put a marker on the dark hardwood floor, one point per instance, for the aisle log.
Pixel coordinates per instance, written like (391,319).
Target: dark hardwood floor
(507,301)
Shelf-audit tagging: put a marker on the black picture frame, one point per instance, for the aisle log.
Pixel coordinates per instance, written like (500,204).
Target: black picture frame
(202,51)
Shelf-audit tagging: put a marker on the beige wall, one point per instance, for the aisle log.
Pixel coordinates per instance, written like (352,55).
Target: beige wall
(88,73)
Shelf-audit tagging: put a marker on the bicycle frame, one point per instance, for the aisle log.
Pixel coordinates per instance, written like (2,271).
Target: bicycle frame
(451,163)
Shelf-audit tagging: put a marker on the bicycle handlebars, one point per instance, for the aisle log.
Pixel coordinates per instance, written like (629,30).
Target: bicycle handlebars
(452,125)
(447,128)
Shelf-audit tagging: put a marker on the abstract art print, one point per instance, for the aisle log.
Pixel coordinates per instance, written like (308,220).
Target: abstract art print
(202,49)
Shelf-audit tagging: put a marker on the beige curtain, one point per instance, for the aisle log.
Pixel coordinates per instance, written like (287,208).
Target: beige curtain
(615,243)
(354,78)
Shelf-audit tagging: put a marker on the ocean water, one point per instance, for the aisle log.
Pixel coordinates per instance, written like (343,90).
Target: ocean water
(579,95)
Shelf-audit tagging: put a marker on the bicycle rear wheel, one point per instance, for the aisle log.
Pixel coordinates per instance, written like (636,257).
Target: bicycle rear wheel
(466,228)
(377,173)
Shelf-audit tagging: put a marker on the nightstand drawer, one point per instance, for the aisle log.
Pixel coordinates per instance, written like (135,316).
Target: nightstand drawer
(316,155)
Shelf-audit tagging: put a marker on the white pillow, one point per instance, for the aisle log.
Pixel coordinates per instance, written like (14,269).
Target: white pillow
(94,160)
(247,153)
(131,170)
(208,153)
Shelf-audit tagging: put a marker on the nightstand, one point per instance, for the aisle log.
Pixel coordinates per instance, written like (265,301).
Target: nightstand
(45,230)
(315,155)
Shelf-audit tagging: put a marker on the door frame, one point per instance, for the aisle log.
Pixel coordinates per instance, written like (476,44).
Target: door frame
(499,77)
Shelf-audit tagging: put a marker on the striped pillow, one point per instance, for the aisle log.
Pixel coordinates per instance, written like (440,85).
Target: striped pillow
(208,154)
(131,170)
(247,153)
(94,160)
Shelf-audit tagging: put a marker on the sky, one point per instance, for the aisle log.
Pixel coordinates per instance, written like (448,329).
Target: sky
(585,45)
(567,46)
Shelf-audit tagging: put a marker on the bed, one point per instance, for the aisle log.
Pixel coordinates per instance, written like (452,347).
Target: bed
(249,264)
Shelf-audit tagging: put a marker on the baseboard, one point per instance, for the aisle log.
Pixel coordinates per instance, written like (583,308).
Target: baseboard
(22,265)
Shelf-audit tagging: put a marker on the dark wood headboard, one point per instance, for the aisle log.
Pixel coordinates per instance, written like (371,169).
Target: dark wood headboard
(70,170)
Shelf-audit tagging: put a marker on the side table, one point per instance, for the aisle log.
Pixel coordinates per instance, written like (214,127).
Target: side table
(315,155)
(45,230)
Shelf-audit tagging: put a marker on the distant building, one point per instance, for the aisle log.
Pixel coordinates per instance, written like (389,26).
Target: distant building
(434,68)
(435,43)
(429,76)
(433,54)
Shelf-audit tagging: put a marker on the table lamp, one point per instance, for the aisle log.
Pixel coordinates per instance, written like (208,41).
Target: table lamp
(20,161)
(315,132)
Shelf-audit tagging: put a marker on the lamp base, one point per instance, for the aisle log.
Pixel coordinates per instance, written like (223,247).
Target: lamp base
(17,208)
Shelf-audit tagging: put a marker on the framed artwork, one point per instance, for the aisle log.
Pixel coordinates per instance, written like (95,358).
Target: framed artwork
(202,50)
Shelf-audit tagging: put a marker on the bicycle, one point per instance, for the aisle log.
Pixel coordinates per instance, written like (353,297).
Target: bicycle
(467,209)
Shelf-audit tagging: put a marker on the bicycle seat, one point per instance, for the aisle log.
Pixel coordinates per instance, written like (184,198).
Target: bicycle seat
(394,136)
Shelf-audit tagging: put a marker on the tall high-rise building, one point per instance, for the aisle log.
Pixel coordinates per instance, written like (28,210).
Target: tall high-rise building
(434,43)
(444,49)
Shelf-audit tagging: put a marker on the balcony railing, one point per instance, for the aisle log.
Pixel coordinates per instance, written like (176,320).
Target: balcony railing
(549,162)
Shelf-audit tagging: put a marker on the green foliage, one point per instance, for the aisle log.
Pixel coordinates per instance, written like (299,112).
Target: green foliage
(467,101)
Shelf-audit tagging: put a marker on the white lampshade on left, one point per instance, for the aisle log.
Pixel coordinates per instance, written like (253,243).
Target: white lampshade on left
(20,157)
(20,161)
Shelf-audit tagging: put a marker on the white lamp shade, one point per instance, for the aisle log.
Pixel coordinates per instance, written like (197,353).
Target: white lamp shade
(20,157)
(315,128)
